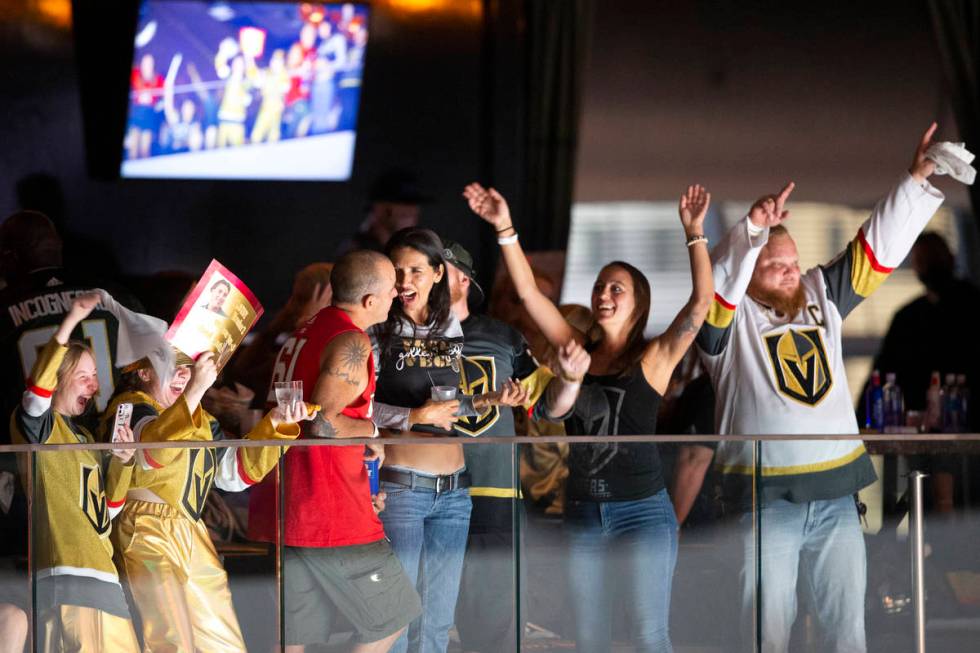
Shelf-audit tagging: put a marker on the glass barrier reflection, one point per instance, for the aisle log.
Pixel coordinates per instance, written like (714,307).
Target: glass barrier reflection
(493,562)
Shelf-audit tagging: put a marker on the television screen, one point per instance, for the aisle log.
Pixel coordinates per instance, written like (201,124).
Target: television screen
(245,90)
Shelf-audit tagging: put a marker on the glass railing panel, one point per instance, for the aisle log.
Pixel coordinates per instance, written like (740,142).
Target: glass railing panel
(15,579)
(149,551)
(510,567)
(950,508)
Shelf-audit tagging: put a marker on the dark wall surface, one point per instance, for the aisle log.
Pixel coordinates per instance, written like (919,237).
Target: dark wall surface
(743,96)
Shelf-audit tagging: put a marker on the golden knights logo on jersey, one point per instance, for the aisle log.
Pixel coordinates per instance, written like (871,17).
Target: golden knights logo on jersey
(91,498)
(799,360)
(200,476)
(477,376)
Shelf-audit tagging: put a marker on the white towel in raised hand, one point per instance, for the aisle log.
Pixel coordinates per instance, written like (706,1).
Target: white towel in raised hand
(953,159)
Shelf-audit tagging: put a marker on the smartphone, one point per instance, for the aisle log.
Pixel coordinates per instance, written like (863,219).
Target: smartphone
(124,413)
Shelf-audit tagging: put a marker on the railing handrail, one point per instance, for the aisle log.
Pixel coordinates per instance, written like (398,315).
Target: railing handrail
(500,440)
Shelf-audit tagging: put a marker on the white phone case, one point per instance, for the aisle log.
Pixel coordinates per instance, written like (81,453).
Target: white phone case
(123,415)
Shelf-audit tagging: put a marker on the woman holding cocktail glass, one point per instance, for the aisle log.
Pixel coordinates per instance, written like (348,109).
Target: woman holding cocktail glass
(418,364)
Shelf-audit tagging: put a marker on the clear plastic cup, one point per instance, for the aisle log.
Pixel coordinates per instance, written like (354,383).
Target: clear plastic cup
(443,392)
(288,394)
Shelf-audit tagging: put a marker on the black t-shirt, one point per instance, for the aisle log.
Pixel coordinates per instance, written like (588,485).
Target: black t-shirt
(617,471)
(412,360)
(493,352)
(31,310)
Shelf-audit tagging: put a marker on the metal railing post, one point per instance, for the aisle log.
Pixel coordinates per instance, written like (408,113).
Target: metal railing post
(917,540)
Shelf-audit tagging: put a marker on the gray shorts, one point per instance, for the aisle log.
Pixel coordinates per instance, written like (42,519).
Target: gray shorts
(363,582)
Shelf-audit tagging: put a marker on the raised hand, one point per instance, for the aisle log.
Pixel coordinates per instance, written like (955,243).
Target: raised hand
(693,207)
(489,205)
(768,210)
(922,167)
(204,373)
(83,305)
(573,361)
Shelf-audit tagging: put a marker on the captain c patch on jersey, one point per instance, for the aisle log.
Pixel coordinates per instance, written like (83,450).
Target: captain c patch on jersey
(799,361)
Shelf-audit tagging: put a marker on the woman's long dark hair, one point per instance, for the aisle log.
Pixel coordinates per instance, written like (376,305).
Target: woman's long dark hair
(426,242)
(635,342)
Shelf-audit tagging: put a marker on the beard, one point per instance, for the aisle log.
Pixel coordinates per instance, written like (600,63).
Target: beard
(786,302)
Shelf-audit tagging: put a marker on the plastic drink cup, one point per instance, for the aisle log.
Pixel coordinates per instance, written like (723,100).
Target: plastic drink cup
(443,392)
(288,394)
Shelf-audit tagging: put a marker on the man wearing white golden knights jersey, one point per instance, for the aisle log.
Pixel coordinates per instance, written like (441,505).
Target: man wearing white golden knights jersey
(772,345)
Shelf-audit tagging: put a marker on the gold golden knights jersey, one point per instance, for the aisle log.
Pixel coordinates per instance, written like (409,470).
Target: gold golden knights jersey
(183,477)
(776,374)
(72,515)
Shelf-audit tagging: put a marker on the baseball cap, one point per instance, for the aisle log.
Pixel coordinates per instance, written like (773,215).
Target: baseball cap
(457,255)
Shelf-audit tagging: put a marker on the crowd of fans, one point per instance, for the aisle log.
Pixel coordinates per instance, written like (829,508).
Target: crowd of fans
(374,336)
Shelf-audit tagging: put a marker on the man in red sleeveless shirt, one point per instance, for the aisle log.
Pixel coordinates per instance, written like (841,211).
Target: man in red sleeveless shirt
(336,557)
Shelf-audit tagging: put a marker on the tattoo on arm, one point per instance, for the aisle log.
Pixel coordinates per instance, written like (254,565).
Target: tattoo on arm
(351,361)
(322,428)
(689,326)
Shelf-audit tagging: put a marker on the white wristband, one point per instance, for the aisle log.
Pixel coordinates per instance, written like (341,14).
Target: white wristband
(376,433)
(507,240)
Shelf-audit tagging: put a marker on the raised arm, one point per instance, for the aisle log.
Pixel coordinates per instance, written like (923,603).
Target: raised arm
(886,237)
(34,419)
(733,262)
(343,378)
(666,350)
(492,207)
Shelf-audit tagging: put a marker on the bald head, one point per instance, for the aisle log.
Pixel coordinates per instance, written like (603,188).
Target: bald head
(28,241)
(364,285)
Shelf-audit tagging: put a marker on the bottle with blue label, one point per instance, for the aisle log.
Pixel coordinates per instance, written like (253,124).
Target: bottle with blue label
(874,404)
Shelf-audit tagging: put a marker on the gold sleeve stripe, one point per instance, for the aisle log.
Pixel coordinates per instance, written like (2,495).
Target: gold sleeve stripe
(536,383)
(721,313)
(866,272)
(827,465)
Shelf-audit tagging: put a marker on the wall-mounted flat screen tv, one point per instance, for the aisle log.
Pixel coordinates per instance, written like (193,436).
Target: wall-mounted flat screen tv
(245,90)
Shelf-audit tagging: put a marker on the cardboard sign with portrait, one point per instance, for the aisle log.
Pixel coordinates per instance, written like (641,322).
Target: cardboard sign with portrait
(216,315)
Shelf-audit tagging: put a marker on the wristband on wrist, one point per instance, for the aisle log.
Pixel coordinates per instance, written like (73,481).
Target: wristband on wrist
(697,238)
(571,379)
(508,240)
(502,230)
(376,432)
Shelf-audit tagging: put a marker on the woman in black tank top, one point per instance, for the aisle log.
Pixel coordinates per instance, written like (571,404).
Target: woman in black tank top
(617,506)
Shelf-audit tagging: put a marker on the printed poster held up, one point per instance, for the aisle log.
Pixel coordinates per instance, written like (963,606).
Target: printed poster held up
(216,315)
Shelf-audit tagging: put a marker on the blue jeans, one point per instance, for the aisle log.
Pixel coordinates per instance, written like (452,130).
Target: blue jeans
(428,534)
(637,539)
(822,541)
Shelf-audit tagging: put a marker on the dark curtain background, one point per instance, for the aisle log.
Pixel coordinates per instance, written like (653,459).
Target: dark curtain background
(956,24)
(558,37)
